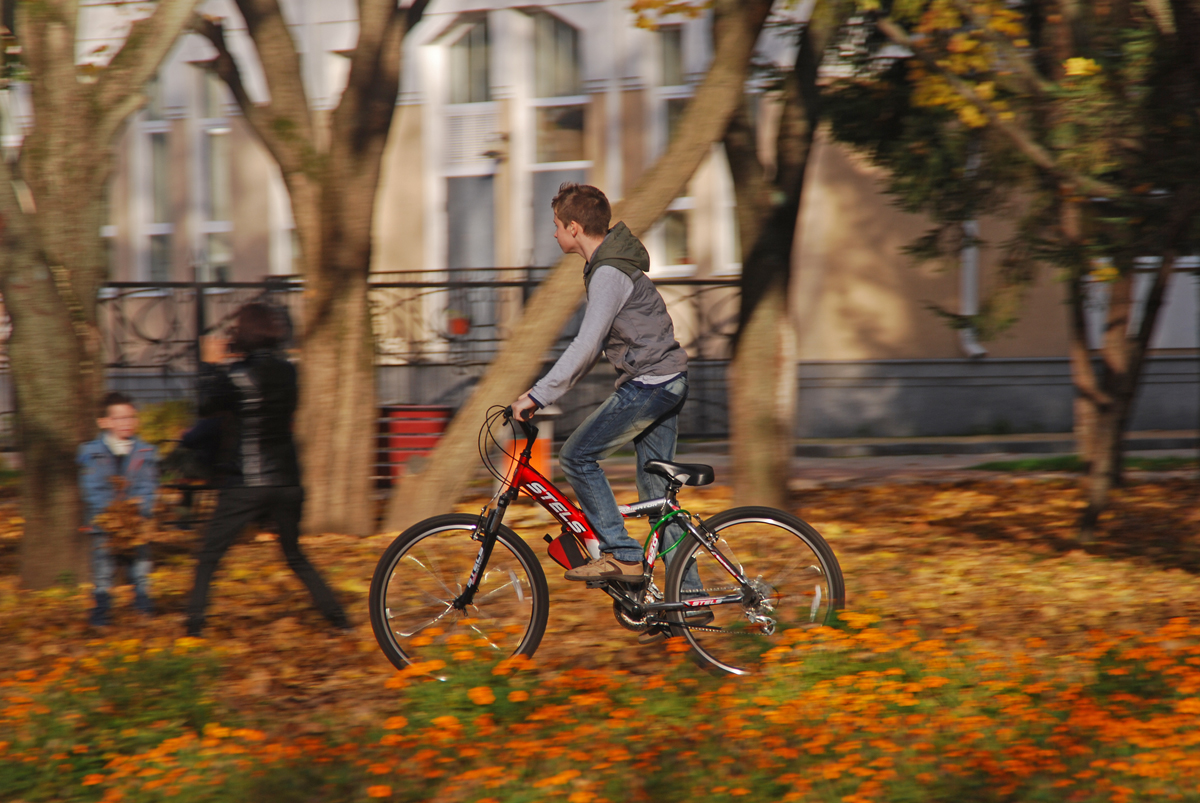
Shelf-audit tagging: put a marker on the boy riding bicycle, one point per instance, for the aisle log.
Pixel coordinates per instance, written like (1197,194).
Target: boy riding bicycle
(626,317)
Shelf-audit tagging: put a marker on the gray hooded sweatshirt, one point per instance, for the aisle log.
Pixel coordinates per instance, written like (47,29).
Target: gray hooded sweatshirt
(625,316)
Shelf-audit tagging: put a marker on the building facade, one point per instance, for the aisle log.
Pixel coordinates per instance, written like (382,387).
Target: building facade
(503,101)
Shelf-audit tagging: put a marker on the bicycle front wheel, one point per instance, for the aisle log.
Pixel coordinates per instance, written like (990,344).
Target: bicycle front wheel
(795,577)
(423,572)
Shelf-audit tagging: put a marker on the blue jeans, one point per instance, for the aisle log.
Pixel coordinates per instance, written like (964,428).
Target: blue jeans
(649,416)
(104,568)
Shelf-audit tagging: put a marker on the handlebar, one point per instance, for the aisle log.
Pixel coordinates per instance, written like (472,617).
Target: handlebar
(531,432)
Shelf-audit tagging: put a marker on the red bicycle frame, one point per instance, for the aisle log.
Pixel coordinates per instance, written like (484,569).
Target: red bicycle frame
(524,477)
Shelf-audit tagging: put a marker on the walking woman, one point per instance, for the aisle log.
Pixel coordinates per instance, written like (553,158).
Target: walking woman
(255,397)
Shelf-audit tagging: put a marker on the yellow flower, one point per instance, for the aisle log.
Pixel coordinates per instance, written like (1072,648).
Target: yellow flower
(1104,271)
(1189,706)
(1079,67)
(858,620)
(395,723)
(518,696)
(93,779)
(481,695)
(379,791)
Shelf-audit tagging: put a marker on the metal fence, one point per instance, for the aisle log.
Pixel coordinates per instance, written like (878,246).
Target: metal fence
(435,332)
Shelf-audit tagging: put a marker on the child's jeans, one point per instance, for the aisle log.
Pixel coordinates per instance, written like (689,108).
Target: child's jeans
(104,569)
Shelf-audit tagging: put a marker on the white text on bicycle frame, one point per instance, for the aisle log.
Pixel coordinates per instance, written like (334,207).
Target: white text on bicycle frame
(561,511)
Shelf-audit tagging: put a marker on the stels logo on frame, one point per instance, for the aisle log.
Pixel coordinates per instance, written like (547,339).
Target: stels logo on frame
(567,550)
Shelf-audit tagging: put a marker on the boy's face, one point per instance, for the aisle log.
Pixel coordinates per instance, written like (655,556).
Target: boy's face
(121,421)
(566,235)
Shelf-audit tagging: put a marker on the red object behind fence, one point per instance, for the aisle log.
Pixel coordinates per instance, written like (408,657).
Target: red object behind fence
(406,431)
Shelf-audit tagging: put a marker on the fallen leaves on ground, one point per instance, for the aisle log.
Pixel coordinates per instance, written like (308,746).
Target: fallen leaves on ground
(991,565)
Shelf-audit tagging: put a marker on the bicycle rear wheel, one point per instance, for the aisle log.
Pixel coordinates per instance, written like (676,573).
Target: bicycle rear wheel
(426,568)
(792,569)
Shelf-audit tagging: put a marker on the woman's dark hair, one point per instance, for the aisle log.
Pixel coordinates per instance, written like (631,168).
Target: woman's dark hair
(256,326)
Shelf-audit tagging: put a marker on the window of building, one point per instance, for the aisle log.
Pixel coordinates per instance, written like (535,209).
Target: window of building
(216,164)
(213,95)
(673,89)
(154,210)
(560,133)
(469,76)
(218,252)
(160,257)
(160,167)
(561,107)
(154,102)
(671,44)
(214,192)
(556,57)
(675,237)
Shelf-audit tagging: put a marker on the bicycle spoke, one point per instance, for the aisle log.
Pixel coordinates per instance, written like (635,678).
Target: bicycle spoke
(424,573)
(792,581)
(430,623)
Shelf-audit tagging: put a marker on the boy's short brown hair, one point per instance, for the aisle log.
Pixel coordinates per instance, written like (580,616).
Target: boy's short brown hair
(582,204)
(112,399)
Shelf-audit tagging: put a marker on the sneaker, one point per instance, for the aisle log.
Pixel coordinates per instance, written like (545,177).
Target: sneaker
(698,616)
(606,567)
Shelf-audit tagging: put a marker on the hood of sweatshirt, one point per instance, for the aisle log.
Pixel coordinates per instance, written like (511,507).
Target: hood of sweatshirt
(621,250)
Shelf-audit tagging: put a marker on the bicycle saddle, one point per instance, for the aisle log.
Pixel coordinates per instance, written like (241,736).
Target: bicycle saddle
(683,473)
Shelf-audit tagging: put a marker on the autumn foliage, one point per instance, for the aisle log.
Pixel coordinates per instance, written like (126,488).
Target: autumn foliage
(983,656)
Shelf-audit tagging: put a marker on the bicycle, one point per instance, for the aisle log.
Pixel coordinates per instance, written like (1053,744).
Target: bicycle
(735,584)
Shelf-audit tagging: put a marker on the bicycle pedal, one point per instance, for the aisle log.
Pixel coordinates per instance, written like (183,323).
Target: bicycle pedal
(609,582)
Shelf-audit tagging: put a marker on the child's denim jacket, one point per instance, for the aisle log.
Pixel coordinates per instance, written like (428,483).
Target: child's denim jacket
(98,465)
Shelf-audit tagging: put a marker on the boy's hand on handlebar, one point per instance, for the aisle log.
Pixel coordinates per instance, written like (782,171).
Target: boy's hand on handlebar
(524,407)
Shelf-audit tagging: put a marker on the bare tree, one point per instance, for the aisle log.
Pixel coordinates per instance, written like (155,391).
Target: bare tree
(762,375)
(736,25)
(51,210)
(330,164)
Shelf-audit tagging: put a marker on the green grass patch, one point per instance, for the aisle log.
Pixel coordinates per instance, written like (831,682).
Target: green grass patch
(872,711)
(74,719)
(1073,463)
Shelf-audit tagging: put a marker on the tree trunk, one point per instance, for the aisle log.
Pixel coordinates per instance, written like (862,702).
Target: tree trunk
(330,165)
(762,376)
(1104,405)
(336,417)
(54,406)
(762,401)
(422,494)
(53,262)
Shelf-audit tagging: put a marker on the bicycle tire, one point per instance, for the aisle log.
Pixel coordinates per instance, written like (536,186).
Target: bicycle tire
(793,565)
(427,566)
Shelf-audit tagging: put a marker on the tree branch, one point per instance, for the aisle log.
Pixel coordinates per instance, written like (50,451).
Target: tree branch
(148,43)
(1033,79)
(287,121)
(368,102)
(258,116)
(1019,137)
(415,13)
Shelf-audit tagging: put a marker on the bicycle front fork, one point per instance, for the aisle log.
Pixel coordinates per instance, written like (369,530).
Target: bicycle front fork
(490,525)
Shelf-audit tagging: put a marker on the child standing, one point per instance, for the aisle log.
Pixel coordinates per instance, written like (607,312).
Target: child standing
(117,454)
